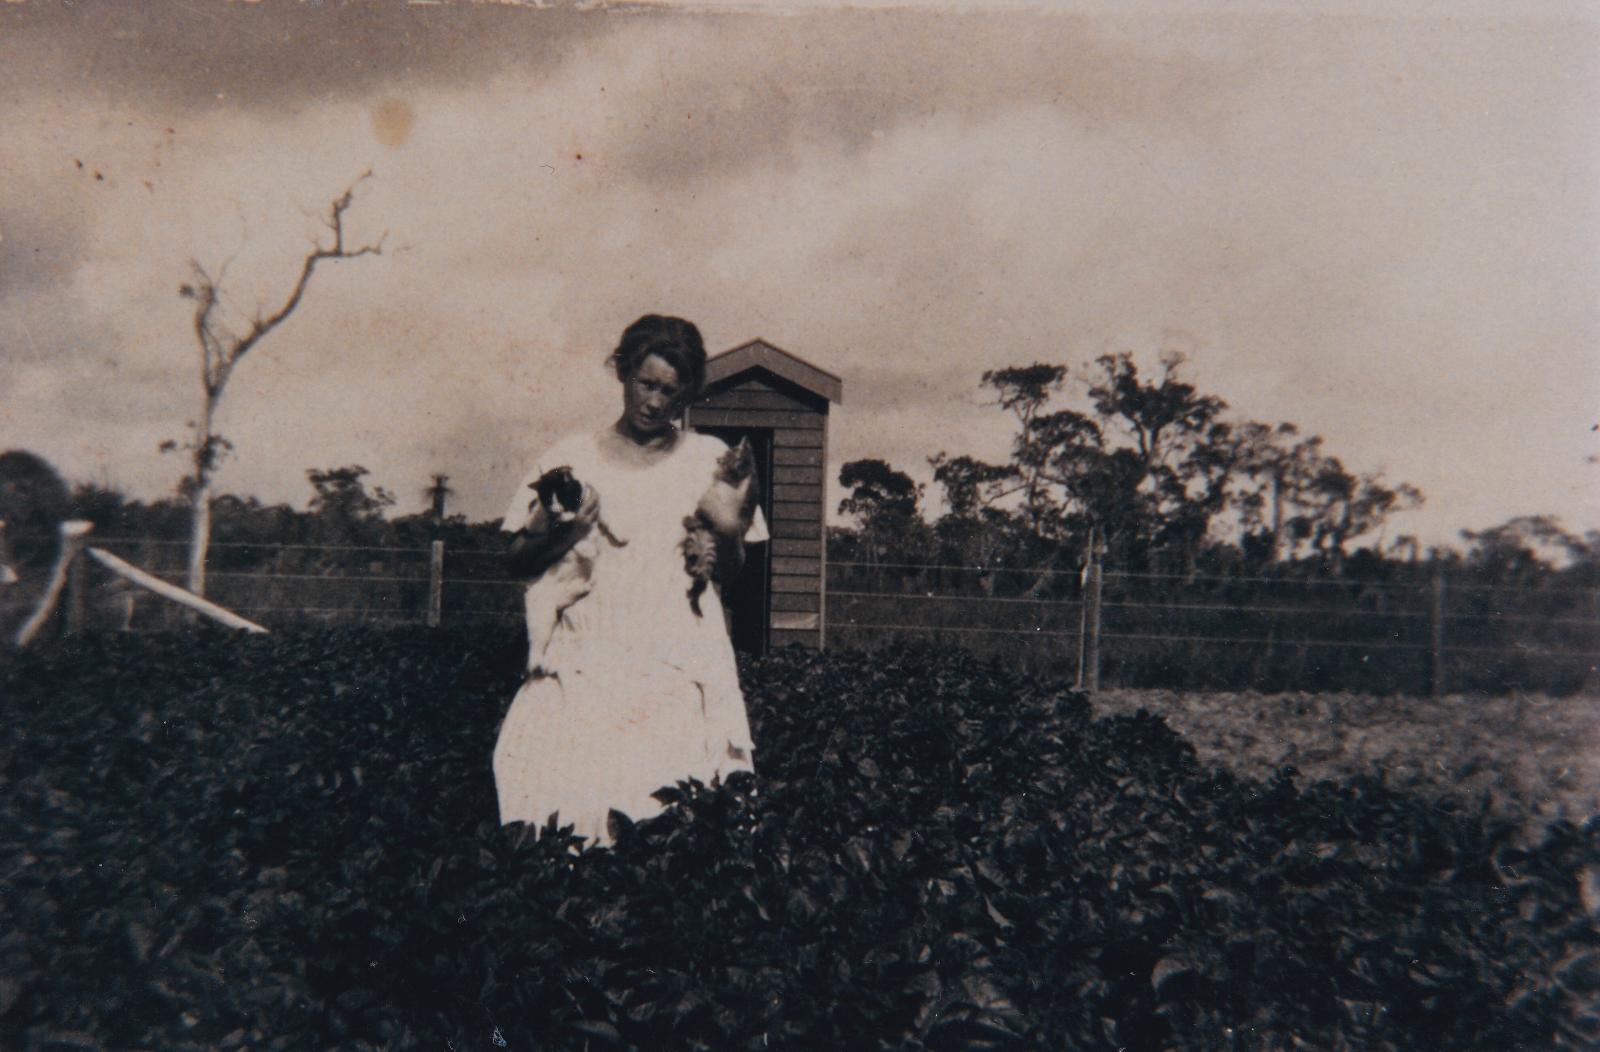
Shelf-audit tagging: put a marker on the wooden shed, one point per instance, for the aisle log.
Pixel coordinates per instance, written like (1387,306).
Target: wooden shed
(780,403)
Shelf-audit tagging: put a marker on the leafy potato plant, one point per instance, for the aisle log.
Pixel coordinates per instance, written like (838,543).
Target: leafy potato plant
(289,842)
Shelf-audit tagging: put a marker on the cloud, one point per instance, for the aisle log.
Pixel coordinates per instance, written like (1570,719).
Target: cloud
(275,55)
(1385,232)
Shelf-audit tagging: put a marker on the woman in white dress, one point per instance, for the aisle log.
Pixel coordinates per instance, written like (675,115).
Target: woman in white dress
(635,690)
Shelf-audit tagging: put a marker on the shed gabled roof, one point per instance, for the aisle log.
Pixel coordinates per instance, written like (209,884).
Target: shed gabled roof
(759,354)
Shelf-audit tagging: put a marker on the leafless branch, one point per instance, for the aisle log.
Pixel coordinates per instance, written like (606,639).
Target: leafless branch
(261,325)
(1002,494)
(206,327)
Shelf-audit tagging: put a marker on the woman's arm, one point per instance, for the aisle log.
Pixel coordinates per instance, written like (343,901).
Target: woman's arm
(535,547)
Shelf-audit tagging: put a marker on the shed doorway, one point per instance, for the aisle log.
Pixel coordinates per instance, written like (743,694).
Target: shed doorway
(747,604)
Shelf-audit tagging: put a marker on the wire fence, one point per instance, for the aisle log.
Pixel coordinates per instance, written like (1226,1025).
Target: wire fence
(280,584)
(1422,628)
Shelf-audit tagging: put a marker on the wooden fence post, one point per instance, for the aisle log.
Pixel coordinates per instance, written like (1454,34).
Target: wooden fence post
(435,584)
(1436,630)
(77,584)
(1089,620)
(1083,615)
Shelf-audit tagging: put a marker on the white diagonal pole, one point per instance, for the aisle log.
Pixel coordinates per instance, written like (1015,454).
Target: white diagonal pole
(171,591)
(73,531)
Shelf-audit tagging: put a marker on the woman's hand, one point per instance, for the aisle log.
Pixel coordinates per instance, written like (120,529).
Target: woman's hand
(589,507)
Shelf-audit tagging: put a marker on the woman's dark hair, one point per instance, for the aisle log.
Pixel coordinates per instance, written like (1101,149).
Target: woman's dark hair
(673,340)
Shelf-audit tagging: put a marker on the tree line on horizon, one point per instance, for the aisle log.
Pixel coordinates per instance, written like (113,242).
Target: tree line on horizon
(346,512)
(1155,475)
(1159,480)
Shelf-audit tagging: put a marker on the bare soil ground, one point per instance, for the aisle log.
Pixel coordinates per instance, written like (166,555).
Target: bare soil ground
(1537,757)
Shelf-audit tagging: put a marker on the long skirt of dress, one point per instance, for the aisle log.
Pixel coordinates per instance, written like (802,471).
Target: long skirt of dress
(578,746)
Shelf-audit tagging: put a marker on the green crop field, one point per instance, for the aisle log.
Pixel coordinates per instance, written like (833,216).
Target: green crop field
(289,842)
(1534,758)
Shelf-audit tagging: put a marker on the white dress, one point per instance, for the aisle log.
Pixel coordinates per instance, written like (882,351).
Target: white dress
(644,692)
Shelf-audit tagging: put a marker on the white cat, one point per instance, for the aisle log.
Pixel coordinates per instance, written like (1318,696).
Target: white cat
(570,578)
(730,499)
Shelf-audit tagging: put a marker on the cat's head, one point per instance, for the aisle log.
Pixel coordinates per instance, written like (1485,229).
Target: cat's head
(559,490)
(738,463)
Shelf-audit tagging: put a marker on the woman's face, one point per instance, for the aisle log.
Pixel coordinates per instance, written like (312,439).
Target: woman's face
(651,398)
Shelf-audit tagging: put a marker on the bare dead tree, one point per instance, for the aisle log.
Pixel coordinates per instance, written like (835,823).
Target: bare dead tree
(220,353)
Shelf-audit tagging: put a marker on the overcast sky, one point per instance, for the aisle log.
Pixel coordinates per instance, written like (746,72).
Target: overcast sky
(1385,230)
